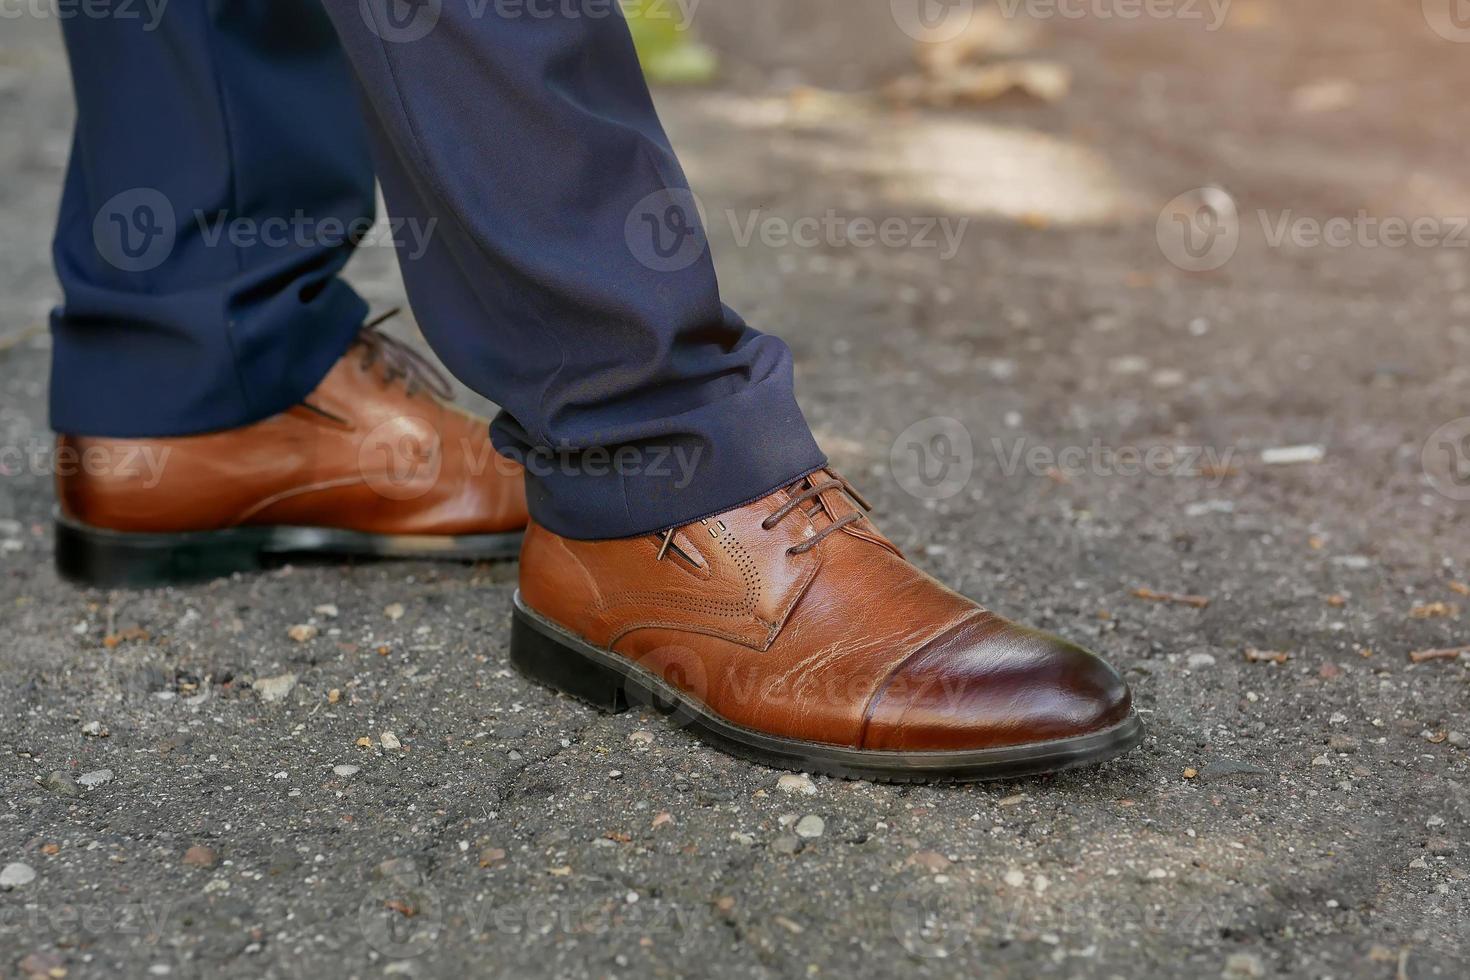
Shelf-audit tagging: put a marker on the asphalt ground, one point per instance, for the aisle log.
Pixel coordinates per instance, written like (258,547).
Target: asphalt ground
(191,801)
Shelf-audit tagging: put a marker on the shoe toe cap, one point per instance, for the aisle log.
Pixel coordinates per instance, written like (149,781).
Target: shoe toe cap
(991,683)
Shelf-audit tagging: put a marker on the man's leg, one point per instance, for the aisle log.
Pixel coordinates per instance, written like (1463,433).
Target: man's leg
(218,167)
(566,275)
(569,280)
(219,399)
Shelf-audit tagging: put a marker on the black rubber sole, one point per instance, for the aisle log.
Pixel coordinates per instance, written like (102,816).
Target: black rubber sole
(552,656)
(101,558)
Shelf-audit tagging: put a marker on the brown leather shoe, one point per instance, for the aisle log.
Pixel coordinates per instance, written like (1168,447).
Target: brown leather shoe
(372,463)
(792,632)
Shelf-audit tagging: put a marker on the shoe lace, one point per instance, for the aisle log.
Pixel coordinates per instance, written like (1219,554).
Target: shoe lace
(801,495)
(810,495)
(399,360)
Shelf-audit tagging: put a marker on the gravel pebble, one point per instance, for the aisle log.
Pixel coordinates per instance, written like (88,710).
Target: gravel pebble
(271,689)
(95,778)
(795,782)
(61,784)
(1242,966)
(811,826)
(16,874)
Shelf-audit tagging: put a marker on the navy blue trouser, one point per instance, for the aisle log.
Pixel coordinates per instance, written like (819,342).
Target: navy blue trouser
(223,169)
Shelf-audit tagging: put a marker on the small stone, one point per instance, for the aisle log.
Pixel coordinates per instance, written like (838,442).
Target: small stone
(394,611)
(1014,879)
(1342,743)
(346,770)
(491,856)
(364,743)
(742,838)
(1338,718)
(1434,821)
(42,963)
(1243,966)
(1191,773)
(200,856)
(1459,740)
(790,925)
(1157,874)
(1441,846)
(270,689)
(95,729)
(389,741)
(95,778)
(929,860)
(15,875)
(641,737)
(811,826)
(302,632)
(786,844)
(795,782)
(1419,863)
(1168,378)
(326,609)
(1293,455)
(334,695)
(1197,660)
(61,784)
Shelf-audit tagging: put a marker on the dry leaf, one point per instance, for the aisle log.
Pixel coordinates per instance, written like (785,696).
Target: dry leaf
(1422,656)
(1435,610)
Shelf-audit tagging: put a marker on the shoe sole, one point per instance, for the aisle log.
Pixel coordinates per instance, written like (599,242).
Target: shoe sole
(556,658)
(102,558)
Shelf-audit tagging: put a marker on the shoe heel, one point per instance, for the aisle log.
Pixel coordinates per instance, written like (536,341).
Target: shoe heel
(542,657)
(103,559)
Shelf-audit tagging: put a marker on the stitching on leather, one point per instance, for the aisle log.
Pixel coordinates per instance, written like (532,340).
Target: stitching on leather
(677,627)
(713,607)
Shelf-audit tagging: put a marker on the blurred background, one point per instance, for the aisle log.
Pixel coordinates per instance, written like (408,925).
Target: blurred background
(1185,288)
